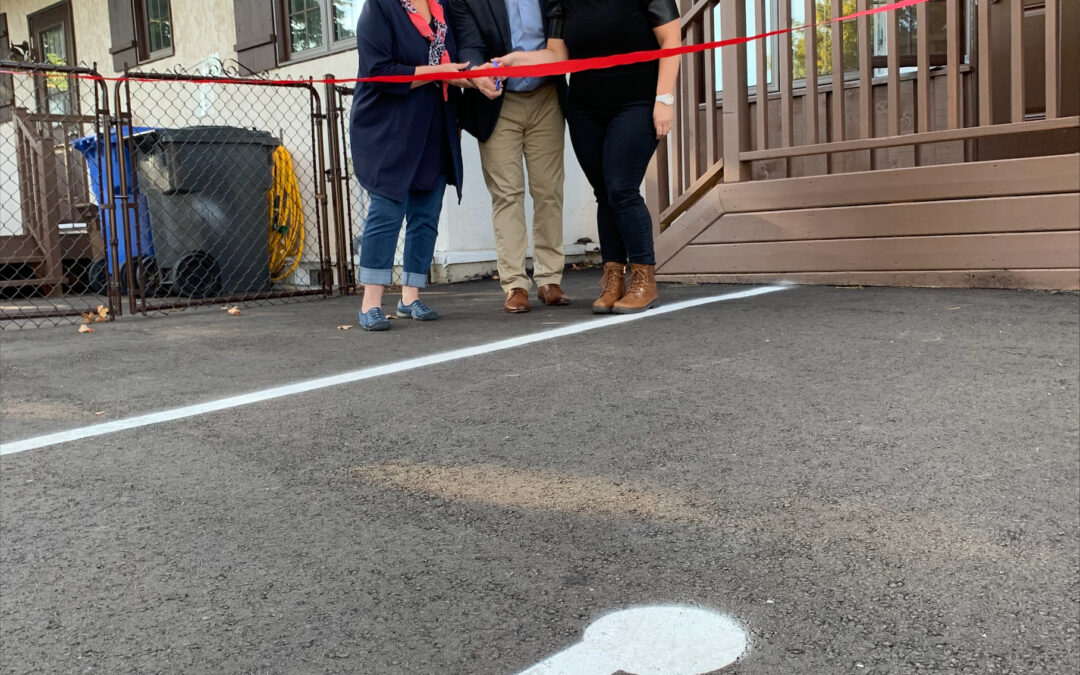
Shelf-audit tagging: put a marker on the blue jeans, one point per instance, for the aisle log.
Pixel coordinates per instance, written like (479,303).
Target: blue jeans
(420,211)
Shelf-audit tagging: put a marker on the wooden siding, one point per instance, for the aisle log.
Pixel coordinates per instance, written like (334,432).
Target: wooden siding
(961,216)
(1010,223)
(1030,279)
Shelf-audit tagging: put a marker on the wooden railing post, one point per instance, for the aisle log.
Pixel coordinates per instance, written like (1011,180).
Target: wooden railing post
(49,219)
(810,99)
(761,99)
(1051,55)
(1017,108)
(986,101)
(711,123)
(736,107)
(836,11)
(953,86)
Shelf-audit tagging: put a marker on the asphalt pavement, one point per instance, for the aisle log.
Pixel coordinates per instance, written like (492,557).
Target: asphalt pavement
(867,480)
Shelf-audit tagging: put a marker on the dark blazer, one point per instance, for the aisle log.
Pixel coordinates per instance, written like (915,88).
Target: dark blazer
(482,28)
(389,121)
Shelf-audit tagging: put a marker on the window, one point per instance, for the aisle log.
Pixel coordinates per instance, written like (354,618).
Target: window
(154,23)
(142,31)
(907,34)
(772,44)
(314,27)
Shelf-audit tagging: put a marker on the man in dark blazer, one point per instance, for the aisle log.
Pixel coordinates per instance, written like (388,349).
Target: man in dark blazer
(524,119)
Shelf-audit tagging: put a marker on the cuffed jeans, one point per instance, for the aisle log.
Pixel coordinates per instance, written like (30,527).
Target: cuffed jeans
(420,211)
(614,148)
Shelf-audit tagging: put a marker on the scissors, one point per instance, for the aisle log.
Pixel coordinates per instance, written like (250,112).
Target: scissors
(498,80)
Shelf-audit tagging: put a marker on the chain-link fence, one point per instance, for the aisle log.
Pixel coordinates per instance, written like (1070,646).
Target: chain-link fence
(171,190)
(57,247)
(355,198)
(228,200)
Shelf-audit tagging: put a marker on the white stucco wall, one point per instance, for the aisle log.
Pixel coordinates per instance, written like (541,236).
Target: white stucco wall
(204,29)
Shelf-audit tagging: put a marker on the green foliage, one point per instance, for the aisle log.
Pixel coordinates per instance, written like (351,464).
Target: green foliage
(824,42)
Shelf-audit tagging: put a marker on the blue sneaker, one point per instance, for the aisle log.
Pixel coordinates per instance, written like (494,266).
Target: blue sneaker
(374,319)
(417,310)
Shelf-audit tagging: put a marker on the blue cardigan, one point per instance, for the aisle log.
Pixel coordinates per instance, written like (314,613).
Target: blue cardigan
(389,121)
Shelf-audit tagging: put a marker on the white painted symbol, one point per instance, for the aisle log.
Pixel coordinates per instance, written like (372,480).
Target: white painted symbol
(662,640)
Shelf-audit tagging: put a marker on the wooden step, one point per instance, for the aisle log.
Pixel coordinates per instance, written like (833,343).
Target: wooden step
(23,283)
(23,248)
(19,249)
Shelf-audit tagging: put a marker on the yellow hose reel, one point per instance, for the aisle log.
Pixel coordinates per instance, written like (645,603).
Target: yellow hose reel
(286,217)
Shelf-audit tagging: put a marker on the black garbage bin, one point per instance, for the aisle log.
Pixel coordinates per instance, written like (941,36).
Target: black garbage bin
(206,190)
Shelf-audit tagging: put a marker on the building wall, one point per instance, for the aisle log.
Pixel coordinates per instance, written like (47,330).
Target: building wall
(204,32)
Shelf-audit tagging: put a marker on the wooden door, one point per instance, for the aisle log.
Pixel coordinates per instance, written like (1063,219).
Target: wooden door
(52,38)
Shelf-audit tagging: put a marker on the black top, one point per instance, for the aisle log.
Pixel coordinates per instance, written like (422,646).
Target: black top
(603,28)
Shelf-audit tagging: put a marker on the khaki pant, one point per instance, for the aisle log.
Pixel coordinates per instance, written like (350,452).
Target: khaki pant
(531,125)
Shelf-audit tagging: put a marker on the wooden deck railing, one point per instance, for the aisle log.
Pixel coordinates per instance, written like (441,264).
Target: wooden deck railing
(41,212)
(973,75)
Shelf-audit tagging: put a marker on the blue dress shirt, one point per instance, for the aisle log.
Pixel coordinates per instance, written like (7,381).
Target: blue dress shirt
(526,35)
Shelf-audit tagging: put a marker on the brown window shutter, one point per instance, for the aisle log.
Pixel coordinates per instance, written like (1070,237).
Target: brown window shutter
(7,84)
(256,42)
(124,49)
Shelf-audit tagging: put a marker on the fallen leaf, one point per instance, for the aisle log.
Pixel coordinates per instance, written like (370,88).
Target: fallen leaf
(100,412)
(85,329)
(345,327)
(88,317)
(952,308)
(102,313)
(235,311)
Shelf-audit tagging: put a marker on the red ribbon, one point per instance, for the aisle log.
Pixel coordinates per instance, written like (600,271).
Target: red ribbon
(543,70)
(598,62)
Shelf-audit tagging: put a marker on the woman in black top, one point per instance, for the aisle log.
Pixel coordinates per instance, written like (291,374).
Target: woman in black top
(616,115)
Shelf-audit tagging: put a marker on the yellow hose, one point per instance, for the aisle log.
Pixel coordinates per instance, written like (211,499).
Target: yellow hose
(286,217)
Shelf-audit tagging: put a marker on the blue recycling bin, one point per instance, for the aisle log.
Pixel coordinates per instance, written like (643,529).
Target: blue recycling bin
(91,148)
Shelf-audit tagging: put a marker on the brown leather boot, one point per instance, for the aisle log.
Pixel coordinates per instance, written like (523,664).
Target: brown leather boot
(642,293)
(517,301)
(552,294)
(613,285)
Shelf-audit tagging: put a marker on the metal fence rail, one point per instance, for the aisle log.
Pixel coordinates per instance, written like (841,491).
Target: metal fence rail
(55,240)
(354,198)
(221,188)
(228,179)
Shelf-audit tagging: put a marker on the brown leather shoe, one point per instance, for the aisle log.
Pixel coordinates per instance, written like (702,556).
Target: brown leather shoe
(613,285)
(517,301)
(552,294)
(642,293)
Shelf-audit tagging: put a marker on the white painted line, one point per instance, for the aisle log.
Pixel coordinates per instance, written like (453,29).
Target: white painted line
(662,640)
(357,375)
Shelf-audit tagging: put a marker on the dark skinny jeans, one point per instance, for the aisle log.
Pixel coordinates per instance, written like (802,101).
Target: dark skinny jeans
(614,148)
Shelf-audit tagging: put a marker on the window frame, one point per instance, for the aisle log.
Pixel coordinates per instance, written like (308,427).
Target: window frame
(142,33)
(329,45)
(58,14)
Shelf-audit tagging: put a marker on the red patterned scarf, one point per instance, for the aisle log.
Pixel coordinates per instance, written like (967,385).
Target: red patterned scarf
(437,51)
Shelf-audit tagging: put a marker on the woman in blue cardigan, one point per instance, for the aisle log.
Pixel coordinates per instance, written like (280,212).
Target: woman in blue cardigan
(405,146)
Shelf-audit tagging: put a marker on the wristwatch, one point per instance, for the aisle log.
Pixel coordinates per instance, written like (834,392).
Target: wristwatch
(666,99)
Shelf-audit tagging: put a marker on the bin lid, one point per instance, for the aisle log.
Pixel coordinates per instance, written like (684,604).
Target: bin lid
(216,136)
(87,144)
